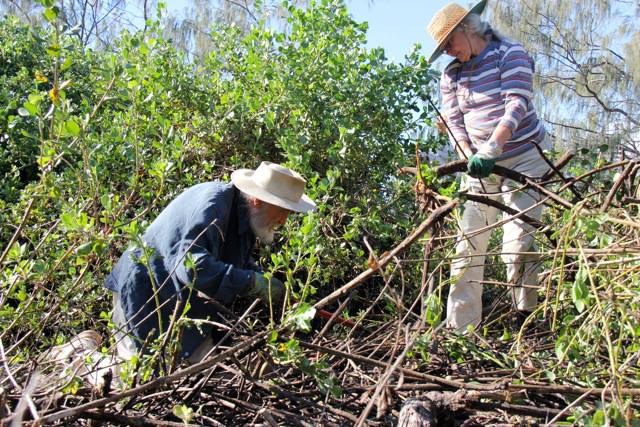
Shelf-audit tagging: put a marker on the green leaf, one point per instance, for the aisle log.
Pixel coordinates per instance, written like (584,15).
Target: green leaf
(66,64)
(72,127)
(598,418)
(183,412)
(32,108)
(73,386)
(427,173)
(35,98)
(21,295)
(580,290)
(53,50)
(26,134)
(17,251)
(506,335)
(84,249)
(433,309)
(51,14)
(302,317)
(69,221)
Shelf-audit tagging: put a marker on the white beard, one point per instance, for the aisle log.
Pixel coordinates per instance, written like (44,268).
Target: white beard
(260,227)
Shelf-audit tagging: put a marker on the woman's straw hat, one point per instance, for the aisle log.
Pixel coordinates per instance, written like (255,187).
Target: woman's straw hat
(275,184)
(446,20)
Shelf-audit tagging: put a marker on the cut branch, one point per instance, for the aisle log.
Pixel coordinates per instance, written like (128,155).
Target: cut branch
(435,216)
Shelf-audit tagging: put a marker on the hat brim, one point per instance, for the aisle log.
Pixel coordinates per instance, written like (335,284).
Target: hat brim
(477,9)
(242,179)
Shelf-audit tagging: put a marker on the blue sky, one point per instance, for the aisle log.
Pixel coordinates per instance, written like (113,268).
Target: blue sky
(396,25)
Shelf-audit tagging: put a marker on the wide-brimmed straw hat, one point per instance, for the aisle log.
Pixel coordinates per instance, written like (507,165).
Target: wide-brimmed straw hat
(275,184)
(446,20)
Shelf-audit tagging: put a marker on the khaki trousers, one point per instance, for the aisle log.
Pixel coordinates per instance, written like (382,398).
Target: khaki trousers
(464,306)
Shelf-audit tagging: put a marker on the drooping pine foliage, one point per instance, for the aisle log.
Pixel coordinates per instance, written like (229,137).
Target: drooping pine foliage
(588,69)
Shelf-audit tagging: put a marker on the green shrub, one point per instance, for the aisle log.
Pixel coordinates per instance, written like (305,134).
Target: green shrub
(114,135)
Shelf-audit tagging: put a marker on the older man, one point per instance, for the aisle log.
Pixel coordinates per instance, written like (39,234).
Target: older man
(199,248)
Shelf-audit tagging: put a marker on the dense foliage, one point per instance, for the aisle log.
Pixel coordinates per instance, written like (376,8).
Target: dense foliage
(98,142)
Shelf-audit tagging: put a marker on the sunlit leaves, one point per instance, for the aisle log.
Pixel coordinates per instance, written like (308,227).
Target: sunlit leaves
(580,289)
(40,78)
(161,168)
(183,412)
(53,50)
(433,309)
(301,317)
(71,127)
(51,14)
(76,221)
(316,99)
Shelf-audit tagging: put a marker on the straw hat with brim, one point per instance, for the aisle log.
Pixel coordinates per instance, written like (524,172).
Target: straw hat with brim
(275,184)
(446,20)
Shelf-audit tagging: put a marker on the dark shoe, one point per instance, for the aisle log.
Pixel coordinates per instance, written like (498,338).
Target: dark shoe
(519,319)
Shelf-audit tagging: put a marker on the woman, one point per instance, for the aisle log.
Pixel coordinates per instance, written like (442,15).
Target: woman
(487,105)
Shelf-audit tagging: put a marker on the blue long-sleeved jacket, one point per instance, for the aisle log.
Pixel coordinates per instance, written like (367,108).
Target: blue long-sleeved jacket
(210,222)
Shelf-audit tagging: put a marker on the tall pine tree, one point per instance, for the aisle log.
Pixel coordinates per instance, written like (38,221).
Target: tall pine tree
(588,67)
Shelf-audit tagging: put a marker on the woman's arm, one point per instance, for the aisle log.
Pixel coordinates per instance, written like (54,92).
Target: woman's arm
(454,117)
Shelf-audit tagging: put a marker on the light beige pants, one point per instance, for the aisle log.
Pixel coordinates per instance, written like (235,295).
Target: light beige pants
(464,306)
(126,345)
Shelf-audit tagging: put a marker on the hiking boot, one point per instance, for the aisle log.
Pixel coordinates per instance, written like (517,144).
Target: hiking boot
(519,318)
(85,341)
(80,357)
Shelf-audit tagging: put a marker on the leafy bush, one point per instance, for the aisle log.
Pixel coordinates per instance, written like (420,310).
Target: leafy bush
(111,137)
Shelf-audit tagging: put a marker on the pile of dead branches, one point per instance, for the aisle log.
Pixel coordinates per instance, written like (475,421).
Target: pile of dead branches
(579,354)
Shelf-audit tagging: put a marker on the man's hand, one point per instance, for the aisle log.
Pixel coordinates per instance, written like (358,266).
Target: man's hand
(263,288)
(481,164)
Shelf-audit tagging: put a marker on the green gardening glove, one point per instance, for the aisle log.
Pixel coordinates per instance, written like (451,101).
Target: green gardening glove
(481,164)
(263,287)
(478,167)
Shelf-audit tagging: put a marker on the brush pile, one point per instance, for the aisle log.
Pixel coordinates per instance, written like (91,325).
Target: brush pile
(577,358)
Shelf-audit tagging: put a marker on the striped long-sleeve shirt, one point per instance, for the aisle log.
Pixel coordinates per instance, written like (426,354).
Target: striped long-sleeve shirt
(493,88)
